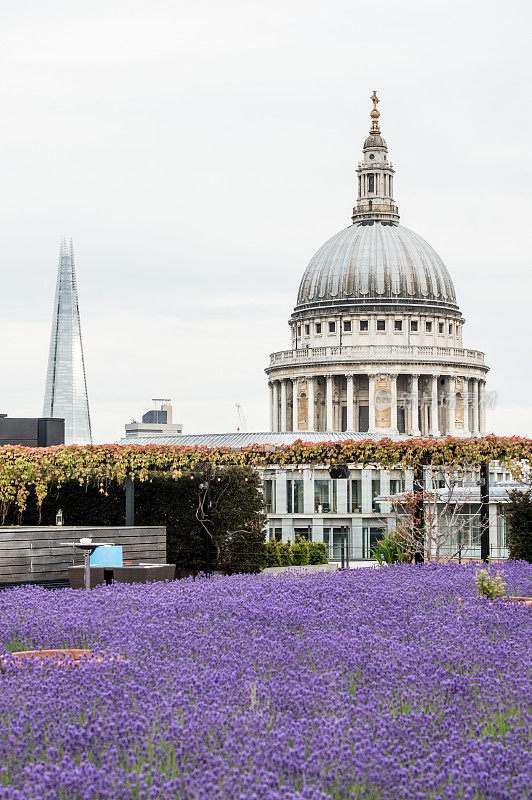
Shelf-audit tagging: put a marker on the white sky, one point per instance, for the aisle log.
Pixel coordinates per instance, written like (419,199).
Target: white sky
(199,153)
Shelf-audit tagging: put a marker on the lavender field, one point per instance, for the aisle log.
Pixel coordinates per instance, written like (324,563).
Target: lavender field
(392,683)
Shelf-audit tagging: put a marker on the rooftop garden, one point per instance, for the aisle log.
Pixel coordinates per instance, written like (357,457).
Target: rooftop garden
(399,682)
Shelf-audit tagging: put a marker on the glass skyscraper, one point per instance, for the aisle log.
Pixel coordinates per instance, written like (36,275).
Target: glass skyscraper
(66,386)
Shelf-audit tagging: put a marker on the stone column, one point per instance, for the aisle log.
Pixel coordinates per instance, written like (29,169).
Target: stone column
(371,385)
(283,404)
(350,402)
(311,400)
(465,403)
(275,425)
(270,384)
(393,401)
(451,407)
(329,403)
(414,405)
(434,417)
(474,408)
(482,407)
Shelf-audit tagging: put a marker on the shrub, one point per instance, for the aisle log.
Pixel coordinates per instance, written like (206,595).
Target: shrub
(300,554)
(489,585)
(518,515)
(392,549)
(273,556)
(318,553)
(285,554)
(243,551)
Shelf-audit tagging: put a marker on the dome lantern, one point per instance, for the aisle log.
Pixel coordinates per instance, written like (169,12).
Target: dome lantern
(375,178)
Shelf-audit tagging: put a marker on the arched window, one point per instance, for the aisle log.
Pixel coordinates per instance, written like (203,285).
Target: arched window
(371,183)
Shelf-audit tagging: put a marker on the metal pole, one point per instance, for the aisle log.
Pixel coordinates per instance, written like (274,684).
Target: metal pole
(484,510)
(342,549)
(130,501)
(347,546)
(418,516)
(87,570)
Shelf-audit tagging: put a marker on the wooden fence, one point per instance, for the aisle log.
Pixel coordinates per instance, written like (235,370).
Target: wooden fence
(37,555)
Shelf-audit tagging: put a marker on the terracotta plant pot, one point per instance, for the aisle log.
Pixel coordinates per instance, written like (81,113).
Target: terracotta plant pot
(63,653)
(526,600)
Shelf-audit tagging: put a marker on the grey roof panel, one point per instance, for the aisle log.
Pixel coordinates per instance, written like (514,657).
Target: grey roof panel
(238,440)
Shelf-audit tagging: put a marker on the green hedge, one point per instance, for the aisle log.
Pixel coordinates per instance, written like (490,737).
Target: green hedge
(300,553)
(518,515)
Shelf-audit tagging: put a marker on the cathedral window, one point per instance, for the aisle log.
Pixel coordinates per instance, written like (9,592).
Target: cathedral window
(450,328)
(299,330)
(347,325)
(371,183)
(307,330)
(318,327)
(398,324)
(332,327)
(428,327)
(440,327)
(381,325)
(413,324)
(364,325)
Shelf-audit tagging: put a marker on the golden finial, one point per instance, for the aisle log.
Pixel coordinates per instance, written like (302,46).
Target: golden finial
(374,114)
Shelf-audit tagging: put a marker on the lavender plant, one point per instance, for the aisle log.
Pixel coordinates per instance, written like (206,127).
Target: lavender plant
(366,684)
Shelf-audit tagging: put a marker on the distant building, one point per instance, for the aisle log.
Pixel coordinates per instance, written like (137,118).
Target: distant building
(65,395)
(156,422)
(31,431)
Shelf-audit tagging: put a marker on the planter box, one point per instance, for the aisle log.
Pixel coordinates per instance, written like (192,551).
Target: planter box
(146,573)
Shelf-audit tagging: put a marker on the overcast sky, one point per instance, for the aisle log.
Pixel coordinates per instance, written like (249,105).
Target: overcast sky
(198,153)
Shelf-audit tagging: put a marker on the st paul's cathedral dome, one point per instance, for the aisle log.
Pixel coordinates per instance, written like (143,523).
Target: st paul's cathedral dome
(376,331)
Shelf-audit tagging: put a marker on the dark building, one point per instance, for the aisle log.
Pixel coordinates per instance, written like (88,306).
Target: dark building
(31,431)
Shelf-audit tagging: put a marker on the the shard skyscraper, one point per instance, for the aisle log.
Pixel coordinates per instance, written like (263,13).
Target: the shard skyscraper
(66,387)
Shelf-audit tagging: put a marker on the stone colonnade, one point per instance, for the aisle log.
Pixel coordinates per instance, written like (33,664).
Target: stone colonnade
(416,404)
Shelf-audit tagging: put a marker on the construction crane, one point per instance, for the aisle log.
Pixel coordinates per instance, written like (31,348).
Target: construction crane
(241,417)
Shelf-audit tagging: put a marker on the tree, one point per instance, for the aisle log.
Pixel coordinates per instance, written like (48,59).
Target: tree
(449,525)
(518,515)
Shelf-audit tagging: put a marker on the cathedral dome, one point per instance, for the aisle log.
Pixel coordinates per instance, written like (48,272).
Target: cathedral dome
(376,266)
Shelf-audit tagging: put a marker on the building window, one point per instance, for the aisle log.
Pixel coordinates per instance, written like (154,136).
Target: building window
(322,496)
(318,327)
(307,330)
(450,329)
(381,325)
(269,496)
(428,327)
(398,324)
(440,327)
(371,183)
(413,324)
(276,533)
(396,485)
(375,492)
(347,325)
(364,325)
(303,533)
(332,327)
(294,496)
(354,495)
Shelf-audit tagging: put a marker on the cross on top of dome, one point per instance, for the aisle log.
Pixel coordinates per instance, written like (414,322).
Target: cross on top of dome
(374,114)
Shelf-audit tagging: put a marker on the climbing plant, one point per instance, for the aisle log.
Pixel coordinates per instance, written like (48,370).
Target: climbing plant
(24,469)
